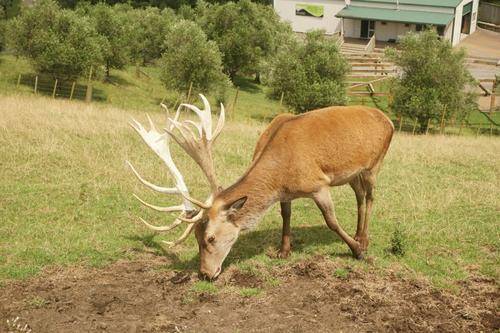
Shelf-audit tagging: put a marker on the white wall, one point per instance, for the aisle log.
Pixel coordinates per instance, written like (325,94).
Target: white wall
(458,20)
(331,24)
(391,30)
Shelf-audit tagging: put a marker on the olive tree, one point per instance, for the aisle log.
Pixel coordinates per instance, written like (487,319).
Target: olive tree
(433,80)
(310,73)
(245,32)
(147,29)
(190,58)
(111,26)
(58,42)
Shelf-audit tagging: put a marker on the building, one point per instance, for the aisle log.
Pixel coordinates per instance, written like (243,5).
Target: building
(386,19)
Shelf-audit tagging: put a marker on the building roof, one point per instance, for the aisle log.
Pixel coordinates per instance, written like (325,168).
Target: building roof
(393,15)
(433,3)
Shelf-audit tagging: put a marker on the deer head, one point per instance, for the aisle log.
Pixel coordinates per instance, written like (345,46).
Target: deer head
(214,231)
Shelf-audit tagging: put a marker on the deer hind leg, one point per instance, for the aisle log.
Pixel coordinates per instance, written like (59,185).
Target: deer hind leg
(324,202)
(369,179)
(286,212)
(360,191)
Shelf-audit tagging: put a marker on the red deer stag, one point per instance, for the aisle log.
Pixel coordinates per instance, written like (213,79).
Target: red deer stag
(296,157)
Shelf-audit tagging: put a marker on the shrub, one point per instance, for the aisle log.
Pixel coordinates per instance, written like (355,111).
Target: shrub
(58,42)
(398,241)
(245,32)
(311,74)
(190,57)
(433,80)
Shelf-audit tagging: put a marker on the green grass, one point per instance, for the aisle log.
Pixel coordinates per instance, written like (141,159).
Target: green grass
(66,191)
(204,287)
(125,90)
(341,273)
(66,197)
(250,292)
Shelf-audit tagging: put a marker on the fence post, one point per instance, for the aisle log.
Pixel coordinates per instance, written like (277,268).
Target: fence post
(281,99)
(414,126)
(441,130)
(461,127)
(189,91)
(233,106)
(54,90)
(400,123)
(18,81)
(36,84)
(72,91)
(88,95)
(428,126)
(493,91)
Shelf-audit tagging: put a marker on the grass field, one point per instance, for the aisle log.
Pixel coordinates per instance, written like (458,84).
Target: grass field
(66,197)
(125,90)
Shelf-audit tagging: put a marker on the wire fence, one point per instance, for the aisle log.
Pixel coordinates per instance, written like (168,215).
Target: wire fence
(374,92)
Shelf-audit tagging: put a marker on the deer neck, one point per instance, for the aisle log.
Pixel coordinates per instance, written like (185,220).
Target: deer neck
(261,193)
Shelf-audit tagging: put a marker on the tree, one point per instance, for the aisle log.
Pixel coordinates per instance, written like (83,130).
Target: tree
(190,58)
(310,74)
(2,28)
(147,29)
(245,32)
(58,42)
(110,25)
(433,80)
(10,8)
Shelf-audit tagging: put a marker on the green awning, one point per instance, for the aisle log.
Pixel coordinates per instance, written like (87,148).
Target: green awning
(394,15)
(467,8)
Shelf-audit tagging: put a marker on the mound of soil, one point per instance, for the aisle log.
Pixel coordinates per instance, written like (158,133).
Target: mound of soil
(137,296)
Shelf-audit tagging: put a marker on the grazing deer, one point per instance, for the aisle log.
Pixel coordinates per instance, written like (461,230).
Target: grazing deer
(296,157)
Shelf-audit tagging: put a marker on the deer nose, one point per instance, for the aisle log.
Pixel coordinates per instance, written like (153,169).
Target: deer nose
(209,276)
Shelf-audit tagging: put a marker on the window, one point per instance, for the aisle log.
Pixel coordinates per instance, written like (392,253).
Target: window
(419,27)
(383,23)
(407,25)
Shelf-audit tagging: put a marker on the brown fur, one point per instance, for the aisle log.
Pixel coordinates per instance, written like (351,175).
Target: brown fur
(297,155)
(302,156)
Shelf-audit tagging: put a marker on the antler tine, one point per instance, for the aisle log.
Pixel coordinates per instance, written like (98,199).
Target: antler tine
(178,208)
(220,122)
(175,224)
(183,236)
(151,124)
(166,190)
(194,219)
(195,201)
(205,116)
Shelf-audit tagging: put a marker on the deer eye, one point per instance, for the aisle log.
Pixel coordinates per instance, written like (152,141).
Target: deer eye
(211,239)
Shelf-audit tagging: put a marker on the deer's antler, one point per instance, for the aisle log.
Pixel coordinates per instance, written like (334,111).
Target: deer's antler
(198,145)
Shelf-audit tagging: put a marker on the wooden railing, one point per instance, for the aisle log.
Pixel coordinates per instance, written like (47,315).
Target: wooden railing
(371,44)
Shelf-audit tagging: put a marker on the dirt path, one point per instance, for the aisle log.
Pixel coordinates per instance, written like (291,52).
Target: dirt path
(140,297)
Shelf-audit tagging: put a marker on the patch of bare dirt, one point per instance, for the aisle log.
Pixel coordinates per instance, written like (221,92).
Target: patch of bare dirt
(137,296)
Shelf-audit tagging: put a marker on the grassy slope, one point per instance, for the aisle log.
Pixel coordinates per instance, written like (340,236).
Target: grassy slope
(66,196)
(145,93)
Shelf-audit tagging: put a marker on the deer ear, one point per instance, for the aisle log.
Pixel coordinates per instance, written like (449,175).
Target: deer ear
(236,205)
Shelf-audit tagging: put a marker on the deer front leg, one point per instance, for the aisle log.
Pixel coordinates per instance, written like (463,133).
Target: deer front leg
(286,212)
(324,202)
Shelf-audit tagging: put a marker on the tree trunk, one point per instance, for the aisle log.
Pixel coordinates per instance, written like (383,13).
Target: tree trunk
(257,78)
